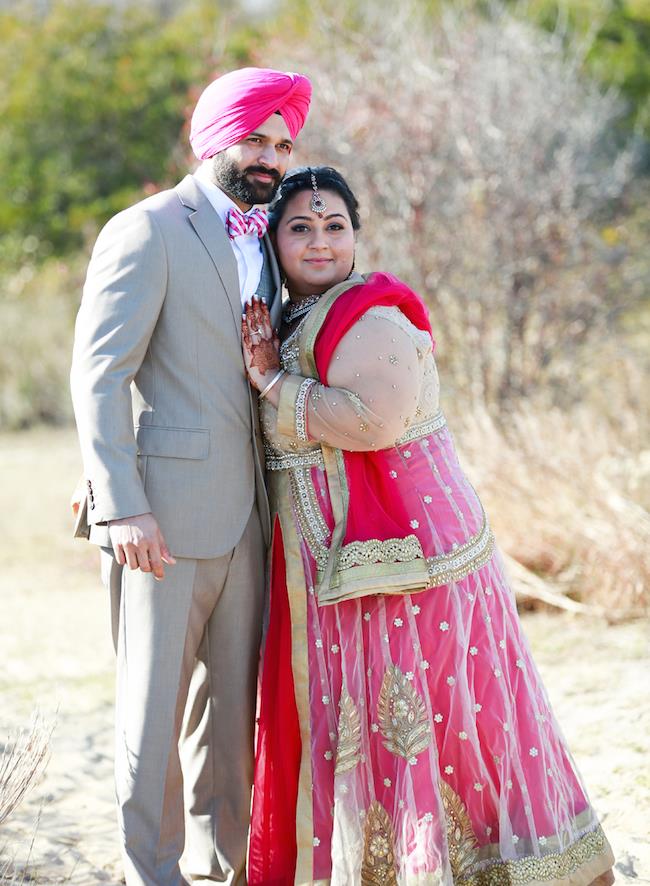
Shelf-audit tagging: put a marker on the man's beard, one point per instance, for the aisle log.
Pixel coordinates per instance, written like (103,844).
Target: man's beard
(231,179)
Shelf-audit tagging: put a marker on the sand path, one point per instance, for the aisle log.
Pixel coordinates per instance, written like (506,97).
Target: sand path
(56,654)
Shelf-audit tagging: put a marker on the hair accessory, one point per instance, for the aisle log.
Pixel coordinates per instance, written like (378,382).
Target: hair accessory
(275,379)
(318,205)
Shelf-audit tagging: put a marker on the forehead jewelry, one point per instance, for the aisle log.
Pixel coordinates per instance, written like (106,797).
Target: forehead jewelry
(318,205)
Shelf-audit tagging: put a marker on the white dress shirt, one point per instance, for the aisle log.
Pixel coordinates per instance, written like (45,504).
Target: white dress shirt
(247,247)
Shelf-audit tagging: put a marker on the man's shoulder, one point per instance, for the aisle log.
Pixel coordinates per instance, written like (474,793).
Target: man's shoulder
(162,212)
(156,204)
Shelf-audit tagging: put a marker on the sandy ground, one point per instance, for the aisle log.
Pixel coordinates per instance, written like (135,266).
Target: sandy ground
(56,655)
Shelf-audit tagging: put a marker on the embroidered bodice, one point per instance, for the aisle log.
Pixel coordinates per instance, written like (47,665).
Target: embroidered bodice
(382,389)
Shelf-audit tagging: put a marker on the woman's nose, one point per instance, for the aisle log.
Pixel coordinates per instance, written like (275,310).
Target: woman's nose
(318,238)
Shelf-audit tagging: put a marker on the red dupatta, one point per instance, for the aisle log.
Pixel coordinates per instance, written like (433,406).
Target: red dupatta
(375,511)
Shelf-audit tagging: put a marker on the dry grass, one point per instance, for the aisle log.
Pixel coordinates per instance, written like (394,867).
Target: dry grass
(23,760)
(565,495)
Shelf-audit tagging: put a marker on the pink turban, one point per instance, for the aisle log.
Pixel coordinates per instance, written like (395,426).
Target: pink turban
(234,105)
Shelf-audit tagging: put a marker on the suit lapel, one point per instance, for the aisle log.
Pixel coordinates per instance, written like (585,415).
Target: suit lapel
(212,234)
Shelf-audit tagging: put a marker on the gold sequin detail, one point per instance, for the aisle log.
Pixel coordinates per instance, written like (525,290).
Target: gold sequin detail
(276,460)
(431,425)
(348,750)
(461,838)
(552,867)
(393,550)
(310,518)
(378,868)
(462,560)
(402,716)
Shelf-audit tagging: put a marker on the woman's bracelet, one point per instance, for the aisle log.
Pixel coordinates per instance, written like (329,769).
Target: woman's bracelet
(275,379)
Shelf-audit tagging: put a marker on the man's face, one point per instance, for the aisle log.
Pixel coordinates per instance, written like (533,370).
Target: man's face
(251,171)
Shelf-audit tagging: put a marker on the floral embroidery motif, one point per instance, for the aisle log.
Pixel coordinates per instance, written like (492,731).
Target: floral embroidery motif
(349,746)
(402,716)
(461,839)
(378,867)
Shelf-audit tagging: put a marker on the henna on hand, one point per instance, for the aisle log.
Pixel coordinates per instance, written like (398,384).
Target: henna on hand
(265,355)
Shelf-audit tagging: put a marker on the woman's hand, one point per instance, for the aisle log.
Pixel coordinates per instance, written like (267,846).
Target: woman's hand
(260,343)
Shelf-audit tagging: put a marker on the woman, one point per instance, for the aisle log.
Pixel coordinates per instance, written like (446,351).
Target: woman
(404,733)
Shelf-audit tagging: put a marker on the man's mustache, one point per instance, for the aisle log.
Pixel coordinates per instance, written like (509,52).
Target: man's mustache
(272,172)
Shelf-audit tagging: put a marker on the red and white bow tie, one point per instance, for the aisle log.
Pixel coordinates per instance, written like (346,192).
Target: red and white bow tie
(238,224)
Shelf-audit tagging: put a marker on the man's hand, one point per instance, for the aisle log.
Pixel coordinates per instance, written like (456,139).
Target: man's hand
(138,542)
(78,496)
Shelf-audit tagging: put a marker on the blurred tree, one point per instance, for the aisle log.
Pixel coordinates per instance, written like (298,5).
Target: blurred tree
(482,155)
(92,103)
(617,43)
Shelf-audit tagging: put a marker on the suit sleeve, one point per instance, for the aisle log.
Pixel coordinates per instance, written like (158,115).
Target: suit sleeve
(122,299)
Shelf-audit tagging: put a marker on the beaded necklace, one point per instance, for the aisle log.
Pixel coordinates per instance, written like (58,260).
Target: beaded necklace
(292,312)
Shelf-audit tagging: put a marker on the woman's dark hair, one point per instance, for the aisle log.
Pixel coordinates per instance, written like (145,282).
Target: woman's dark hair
(327,179)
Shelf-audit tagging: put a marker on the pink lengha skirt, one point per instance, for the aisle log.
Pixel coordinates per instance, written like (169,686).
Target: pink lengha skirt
(409,739)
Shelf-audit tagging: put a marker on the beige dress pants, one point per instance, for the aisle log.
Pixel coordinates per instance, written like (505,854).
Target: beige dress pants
(187,659)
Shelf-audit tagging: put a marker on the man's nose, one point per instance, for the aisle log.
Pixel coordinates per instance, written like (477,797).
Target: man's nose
(269,157)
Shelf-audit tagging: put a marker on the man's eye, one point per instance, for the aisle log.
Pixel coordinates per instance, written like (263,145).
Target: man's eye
(286,149)
(254,140)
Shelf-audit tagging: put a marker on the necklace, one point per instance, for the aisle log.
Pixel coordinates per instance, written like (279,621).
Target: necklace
(291,313)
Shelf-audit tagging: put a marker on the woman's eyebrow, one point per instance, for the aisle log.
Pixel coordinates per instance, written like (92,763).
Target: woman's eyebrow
(308,218)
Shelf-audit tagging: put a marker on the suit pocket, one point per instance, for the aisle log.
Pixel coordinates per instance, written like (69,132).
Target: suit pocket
(172,442)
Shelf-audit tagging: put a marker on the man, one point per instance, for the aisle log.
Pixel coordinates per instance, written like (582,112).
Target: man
(167,427)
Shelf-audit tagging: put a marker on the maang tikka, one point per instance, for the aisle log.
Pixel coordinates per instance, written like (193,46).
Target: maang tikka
(318,205)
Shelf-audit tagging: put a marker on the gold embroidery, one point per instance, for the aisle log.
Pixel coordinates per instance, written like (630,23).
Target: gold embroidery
(430,425)
(378,868)
(462,560)
(348,751)
(402,716)
(275,460)
(553,867)
(393,550)
(461,838)
(312,524)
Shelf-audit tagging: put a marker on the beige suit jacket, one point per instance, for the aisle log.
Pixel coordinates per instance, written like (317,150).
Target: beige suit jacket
(167,421)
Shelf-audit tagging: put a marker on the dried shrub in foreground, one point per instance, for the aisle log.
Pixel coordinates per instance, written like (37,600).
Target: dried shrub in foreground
(23,759)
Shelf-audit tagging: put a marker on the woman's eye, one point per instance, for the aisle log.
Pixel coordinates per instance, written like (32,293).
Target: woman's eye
(335,226)
(299,229)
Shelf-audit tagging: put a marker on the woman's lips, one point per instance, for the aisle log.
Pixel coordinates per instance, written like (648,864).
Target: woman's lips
(318,261)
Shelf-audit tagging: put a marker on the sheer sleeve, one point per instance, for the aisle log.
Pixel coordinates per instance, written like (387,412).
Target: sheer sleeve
(373,391)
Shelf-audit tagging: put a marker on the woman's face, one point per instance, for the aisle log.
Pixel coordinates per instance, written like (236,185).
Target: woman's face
(315,252)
